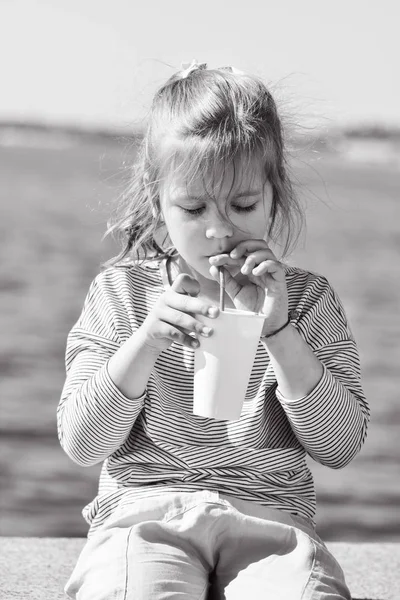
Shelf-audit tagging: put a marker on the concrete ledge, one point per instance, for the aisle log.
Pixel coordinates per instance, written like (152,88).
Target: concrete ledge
(37,568)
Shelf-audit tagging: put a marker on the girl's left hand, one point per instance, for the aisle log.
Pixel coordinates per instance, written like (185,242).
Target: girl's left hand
(255,281)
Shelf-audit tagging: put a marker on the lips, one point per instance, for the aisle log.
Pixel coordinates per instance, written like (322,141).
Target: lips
(228,251)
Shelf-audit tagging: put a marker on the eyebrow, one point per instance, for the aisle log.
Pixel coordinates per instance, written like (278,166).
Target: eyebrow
(243,194)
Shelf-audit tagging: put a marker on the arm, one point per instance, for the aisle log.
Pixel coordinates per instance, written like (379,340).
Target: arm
(318,373)
(107,376)
(94,415)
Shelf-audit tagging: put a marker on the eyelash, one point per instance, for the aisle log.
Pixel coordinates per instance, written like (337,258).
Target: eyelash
(244,209)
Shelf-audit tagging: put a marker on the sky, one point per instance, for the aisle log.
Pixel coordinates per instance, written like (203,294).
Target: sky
(99,62)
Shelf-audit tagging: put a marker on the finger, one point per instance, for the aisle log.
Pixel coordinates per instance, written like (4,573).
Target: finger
(188,304)
(232,287)
(169,332)
(272,267)
(220,260)
(184,322)
(254,259)
(248,246)
(186,284)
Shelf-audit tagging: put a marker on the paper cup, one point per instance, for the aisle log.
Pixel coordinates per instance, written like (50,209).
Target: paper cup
(223,364)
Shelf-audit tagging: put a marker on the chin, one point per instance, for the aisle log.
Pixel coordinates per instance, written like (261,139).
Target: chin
(204,273)
(201,267)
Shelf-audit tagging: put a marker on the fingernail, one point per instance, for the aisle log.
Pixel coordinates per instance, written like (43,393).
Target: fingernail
(195,344)
(212,311)
(206,331)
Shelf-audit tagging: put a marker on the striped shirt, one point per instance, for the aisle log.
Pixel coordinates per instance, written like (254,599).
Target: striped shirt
(155,444)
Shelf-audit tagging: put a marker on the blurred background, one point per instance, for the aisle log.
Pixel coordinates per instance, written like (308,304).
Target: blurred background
(76,81)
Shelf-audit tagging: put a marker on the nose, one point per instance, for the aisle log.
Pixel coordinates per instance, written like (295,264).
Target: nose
(218,227)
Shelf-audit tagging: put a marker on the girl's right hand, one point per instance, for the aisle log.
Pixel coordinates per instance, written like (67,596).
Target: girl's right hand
(172,318)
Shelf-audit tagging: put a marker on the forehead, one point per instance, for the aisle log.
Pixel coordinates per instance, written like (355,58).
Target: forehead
(220,180)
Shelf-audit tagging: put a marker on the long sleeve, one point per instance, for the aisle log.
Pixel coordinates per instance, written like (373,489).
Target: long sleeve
(94,418)
(330,422)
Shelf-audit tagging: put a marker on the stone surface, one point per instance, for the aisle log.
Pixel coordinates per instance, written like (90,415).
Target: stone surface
(37,568)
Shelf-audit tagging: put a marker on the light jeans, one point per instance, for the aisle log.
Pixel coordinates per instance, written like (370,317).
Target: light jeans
(205,545)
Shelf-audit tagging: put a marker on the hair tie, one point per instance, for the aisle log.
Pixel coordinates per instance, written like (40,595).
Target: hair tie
(187,68)
(232,70)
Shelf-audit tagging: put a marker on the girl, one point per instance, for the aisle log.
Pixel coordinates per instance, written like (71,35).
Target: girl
(191,507)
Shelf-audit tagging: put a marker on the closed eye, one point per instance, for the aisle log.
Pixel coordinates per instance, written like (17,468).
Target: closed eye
(194,211)
(249,208)
(236,207)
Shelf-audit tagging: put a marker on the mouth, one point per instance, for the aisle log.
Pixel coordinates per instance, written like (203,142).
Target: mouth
(219,253)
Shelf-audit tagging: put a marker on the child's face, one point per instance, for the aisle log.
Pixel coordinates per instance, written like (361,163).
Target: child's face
(201,226)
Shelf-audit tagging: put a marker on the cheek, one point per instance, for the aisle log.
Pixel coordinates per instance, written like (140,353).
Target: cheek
(254,224)
(262,218)
(183,231)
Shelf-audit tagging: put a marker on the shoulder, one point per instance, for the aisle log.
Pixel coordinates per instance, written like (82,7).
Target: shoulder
(128,277)
(303,283)
(121,296)
(313,302)
(128,288)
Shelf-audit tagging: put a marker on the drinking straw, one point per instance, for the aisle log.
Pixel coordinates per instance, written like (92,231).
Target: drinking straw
(221,289)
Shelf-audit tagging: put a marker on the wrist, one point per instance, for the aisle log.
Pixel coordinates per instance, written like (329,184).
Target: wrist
(150,347)
(272,332)
(131,365)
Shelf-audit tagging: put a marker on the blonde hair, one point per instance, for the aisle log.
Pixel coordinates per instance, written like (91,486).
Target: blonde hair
(212,116)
